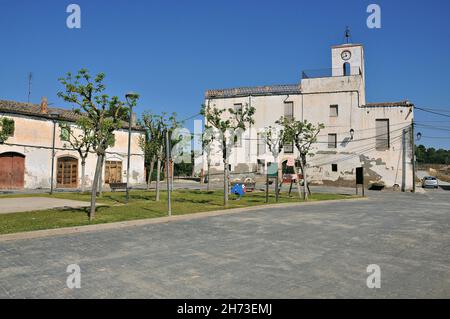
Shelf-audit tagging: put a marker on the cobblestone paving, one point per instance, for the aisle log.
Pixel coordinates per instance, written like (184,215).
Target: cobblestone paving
(310,251)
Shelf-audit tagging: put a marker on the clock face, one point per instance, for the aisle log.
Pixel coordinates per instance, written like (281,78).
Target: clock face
(346,55)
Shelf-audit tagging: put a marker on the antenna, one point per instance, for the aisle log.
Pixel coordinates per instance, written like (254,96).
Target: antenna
(30,79)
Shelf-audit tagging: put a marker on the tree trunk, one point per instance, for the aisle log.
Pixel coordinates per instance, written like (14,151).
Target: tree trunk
(225,184)
(297,181)
(149,179)
(83,175)
(100,178)
(207,174)
(158,176)
(98,168)
(305,182)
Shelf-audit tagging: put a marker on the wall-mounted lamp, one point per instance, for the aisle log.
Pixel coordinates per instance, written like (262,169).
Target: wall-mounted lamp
(418,136)
(352,132)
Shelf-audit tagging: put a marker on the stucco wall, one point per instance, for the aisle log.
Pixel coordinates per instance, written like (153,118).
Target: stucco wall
(392,166)
(33,138)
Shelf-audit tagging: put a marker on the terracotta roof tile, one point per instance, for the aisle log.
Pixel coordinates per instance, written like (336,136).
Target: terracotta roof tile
(256,90)
(34,110)
(389,104)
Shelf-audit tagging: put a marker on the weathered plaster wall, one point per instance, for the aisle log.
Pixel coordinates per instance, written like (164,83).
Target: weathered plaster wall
(313,104)
(33,138)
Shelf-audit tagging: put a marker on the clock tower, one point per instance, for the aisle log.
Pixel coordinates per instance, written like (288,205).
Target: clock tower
(347,59)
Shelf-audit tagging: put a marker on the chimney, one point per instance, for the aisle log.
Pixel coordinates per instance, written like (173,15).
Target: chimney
(44,104)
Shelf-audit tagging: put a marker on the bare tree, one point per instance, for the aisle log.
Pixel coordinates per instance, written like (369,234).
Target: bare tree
(104,113)
(229,123)
(80,140)
(273,137)
(303,134)
(156,126)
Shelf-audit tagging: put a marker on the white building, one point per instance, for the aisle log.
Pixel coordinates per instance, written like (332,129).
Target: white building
(26,156)
(381,132)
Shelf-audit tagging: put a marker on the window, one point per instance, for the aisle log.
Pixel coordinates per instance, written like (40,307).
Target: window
(288,148)
(382,141)
(238,138)
(332,140)
(333,110)
(334,168)
(289,110)
(261,145)
(7,126)
(65,134)
(346,69)
(238,107)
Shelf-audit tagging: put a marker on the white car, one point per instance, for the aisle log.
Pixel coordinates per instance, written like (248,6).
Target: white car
(430,181)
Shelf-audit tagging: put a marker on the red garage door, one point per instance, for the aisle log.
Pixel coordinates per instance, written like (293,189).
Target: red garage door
(12,169)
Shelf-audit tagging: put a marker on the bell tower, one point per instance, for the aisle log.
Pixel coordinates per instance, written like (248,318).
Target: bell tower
(348,58)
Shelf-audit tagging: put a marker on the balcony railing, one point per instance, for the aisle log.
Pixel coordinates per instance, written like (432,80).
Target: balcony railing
(330,72)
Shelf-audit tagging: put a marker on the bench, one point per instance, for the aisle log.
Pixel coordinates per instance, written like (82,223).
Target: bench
(118,186)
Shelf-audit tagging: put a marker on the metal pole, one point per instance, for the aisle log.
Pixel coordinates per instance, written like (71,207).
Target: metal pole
(276,188)
(413,150)
(53,158)
(169,208)
(129,153)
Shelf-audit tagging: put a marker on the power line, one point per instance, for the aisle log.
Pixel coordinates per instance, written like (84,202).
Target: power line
(190,117)
(446,110)
(429,111)
(436,137)
(431,127)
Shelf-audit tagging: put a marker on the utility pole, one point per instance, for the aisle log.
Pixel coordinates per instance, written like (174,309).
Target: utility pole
(169,208)
(54,117)
(413,150)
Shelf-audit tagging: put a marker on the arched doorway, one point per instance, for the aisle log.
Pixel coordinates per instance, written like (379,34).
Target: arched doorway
(67,175)
(12,170)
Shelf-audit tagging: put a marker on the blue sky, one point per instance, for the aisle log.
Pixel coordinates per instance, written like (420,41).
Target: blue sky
(172,51)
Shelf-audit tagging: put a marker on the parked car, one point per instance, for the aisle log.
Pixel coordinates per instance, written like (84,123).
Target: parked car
(430,181)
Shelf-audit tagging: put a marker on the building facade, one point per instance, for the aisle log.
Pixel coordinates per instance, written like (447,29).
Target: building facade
(376,136)
(26,156)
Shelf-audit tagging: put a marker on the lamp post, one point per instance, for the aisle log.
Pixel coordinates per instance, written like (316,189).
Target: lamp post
(131,98)
(54,116)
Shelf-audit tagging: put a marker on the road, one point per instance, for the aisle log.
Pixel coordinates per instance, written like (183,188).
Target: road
(314,251)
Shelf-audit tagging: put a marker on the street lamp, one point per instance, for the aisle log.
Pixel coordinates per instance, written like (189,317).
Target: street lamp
(418,136)
(131,98)
(54,116)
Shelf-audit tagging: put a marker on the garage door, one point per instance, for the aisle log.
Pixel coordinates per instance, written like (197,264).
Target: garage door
(12,170)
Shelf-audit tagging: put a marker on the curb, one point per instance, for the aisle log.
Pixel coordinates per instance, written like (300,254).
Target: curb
(159,220)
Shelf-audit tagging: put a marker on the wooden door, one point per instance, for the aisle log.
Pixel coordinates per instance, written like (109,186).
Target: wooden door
(12,170)
(67,175)
(113,172)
